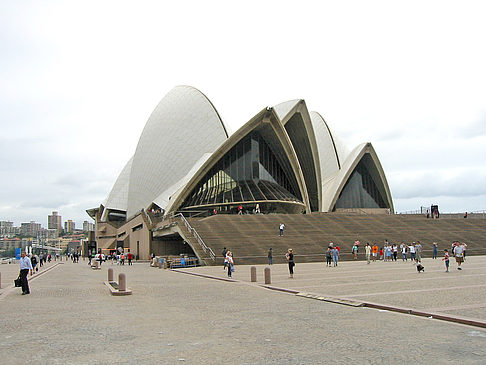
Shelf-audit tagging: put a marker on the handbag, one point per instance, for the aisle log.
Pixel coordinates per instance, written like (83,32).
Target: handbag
(18,282)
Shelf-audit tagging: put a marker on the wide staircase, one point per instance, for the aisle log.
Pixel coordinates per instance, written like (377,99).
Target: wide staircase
(250,236)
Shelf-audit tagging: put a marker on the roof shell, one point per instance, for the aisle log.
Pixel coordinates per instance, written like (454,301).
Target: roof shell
(183,127)
(336,183)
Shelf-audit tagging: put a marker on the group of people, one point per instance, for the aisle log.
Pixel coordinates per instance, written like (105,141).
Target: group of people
(115,257)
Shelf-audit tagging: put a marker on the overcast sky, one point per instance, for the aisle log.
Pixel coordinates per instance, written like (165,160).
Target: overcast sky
(79,79)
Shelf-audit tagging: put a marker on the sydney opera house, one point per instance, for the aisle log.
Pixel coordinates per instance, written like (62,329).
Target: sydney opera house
(284,160)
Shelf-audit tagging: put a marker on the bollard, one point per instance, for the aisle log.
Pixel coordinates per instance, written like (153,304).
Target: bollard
(165,264)
(95,264)
(122,282)
(268,279)
(253,274)
(110,274)
(159,264)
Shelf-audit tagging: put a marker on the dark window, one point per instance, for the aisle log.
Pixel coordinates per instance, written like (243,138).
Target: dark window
(364,188)
(250,171)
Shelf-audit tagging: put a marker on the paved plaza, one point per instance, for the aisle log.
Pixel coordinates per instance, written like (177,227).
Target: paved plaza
(172,318)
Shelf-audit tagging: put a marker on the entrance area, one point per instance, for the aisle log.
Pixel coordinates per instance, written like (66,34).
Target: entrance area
(171,245)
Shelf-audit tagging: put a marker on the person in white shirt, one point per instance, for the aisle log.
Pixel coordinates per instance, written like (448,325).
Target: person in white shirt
(368,252)
(458,253)
(412,251)
(25,266)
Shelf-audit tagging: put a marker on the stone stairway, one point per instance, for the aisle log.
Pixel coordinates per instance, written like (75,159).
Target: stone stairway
(250,236)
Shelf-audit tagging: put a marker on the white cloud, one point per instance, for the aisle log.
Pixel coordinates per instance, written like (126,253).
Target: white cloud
(79,80)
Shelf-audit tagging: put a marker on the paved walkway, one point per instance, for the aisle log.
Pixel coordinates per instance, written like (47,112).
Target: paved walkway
(172,318)
(457,293)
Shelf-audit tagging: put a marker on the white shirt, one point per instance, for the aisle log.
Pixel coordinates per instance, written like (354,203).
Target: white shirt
(25,263)
(458,251)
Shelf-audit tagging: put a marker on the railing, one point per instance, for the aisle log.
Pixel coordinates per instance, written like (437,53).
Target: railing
(196,235)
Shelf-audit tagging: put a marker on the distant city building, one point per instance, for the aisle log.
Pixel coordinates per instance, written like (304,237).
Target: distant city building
(30,229)
(8,243)
(69,226)
(53,233)
(88,227)
(6,227)
(54,221)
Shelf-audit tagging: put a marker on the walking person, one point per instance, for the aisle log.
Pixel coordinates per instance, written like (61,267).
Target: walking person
(223,253)
(335,256)
(368,252)
(25,267)
(270,256)
(290,258)
(281,229)
(418,251)
(231,263)
(446,259)
(33,262)
(458,253)
(130,258)
(354,251)
(329,257)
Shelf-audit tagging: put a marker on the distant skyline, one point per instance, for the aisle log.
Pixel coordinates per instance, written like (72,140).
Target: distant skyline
(80,79)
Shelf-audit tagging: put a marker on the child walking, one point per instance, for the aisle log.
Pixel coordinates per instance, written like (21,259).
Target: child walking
(446,259)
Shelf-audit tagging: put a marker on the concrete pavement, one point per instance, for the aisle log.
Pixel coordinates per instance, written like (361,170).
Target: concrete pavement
(171,318)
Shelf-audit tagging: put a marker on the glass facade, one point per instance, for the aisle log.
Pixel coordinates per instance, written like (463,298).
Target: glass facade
(364,188)
(249,172)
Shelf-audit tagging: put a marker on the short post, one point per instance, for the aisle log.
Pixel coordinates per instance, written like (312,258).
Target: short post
(122,282)
(253,274)
(165,264)
(268,279)
(160,264)
(110,274)
(95,264)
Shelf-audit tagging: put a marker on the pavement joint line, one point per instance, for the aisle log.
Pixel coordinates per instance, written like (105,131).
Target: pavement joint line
(459,307)
(428,314)
(9,289)
(416,290)
(204,275)
(393,281)
(350,302)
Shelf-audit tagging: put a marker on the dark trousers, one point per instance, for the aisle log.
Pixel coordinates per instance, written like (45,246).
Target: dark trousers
(291,267)
(24,281)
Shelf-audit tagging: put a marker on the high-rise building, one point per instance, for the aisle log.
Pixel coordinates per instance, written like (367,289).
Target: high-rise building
(88,227)
(6,227)
(54,221)
(30,229)
(69,226)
